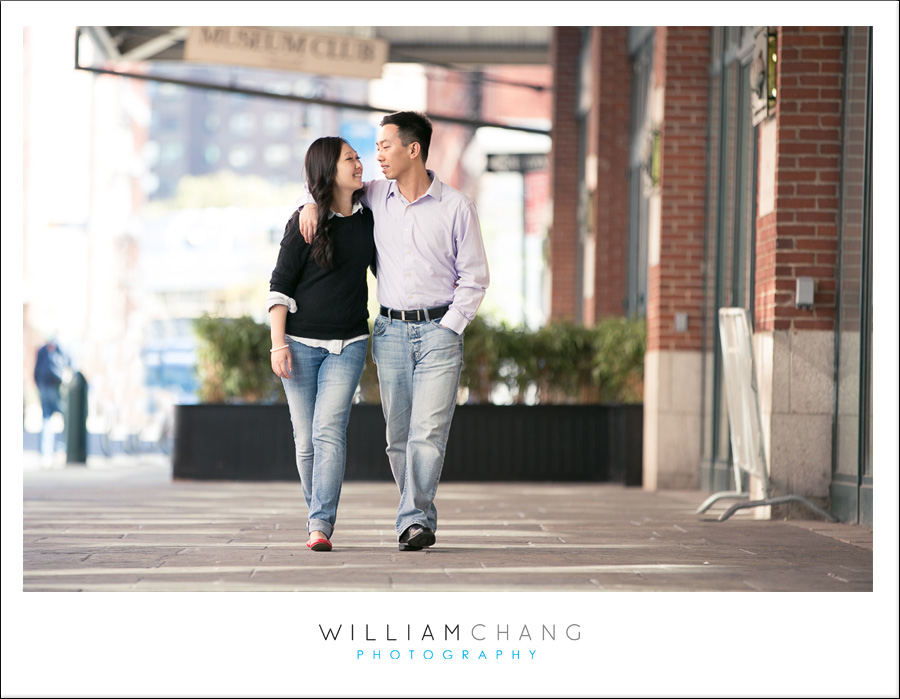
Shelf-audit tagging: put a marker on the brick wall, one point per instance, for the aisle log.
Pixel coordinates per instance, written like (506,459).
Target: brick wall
(505,99)
(565,46)
(611,121)
(676,282)
(799,239)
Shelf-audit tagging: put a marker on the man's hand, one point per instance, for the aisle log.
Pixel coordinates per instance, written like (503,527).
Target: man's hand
(308,218)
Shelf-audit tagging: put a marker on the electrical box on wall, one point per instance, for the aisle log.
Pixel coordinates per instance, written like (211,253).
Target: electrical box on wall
(806,289)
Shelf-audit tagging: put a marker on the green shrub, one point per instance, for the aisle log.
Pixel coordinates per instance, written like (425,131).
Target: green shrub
(618,369)
(234,363)
(560,363)
(480,369)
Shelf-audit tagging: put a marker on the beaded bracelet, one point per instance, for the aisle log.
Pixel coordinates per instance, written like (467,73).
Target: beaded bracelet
(278,348)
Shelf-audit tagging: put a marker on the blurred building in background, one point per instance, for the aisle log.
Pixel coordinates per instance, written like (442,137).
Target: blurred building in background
(196,132)
(83,197)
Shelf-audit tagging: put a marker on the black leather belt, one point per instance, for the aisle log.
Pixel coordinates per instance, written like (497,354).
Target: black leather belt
(417,314)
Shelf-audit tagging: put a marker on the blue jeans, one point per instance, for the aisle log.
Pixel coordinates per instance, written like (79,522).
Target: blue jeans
(319,394)
(418,376)
(51,402)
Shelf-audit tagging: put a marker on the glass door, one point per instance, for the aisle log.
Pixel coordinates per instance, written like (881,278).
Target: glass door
(729,239)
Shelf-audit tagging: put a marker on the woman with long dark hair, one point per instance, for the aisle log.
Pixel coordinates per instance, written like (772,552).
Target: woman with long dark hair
(318,311)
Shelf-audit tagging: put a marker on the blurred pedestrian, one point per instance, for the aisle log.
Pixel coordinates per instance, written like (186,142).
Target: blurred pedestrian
(432,277)
(318,311)
(50,370)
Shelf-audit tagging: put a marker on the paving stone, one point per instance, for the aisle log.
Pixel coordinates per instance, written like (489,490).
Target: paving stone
(213,535)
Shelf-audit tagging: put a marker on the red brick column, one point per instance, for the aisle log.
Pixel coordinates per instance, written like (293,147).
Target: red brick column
(565,46)
(611,122)
(799,239)
(676,280)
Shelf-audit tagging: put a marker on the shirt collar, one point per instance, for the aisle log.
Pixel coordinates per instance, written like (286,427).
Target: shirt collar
(434,191)
(356,207)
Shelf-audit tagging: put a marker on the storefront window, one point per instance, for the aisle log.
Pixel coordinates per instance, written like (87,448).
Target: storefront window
(640,182)
(729,237)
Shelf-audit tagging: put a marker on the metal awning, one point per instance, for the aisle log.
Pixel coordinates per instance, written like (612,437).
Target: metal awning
(459,47)
(118,50)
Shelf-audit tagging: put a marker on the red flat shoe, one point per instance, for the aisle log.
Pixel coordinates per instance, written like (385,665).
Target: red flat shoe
(319,545)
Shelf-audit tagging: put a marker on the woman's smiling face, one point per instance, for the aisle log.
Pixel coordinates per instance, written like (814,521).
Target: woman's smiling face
(348,174)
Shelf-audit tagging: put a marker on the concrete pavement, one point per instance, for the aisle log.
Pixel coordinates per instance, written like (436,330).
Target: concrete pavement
(127,526)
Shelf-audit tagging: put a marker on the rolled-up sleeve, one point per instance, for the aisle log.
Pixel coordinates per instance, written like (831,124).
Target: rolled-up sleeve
(276,298)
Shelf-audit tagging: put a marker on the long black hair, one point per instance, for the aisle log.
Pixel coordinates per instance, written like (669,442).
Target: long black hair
(321,169)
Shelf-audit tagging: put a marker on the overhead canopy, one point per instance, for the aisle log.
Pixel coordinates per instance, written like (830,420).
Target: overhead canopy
(459,47)
(344,51)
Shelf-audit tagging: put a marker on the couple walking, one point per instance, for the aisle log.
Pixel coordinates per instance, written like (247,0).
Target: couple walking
(422,240)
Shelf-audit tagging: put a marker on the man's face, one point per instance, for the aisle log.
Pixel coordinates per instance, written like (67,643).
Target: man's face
(393,157)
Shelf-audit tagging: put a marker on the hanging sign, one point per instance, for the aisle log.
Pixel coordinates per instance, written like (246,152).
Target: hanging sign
(516,162)
(322,54)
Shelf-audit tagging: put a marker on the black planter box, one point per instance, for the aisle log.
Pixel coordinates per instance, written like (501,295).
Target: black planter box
(597,443)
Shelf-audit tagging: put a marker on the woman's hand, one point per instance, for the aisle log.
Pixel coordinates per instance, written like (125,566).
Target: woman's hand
(281,362)
(281,356)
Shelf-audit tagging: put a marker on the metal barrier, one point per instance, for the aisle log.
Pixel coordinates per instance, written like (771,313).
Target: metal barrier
(745,426)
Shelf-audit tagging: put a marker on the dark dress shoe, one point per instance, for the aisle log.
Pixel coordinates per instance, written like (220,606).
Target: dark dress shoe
(416,537)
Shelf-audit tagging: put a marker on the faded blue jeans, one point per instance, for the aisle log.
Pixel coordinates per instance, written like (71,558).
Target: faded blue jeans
(319,394)
(51,402)
(418,375)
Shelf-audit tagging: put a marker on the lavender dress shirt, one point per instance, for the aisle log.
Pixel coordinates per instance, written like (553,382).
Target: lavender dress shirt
(429,252)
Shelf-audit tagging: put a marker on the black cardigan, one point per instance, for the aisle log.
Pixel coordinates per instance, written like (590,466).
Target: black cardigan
(332,304)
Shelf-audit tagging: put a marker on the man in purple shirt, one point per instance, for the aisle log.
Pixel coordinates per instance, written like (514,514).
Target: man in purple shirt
(432,277)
